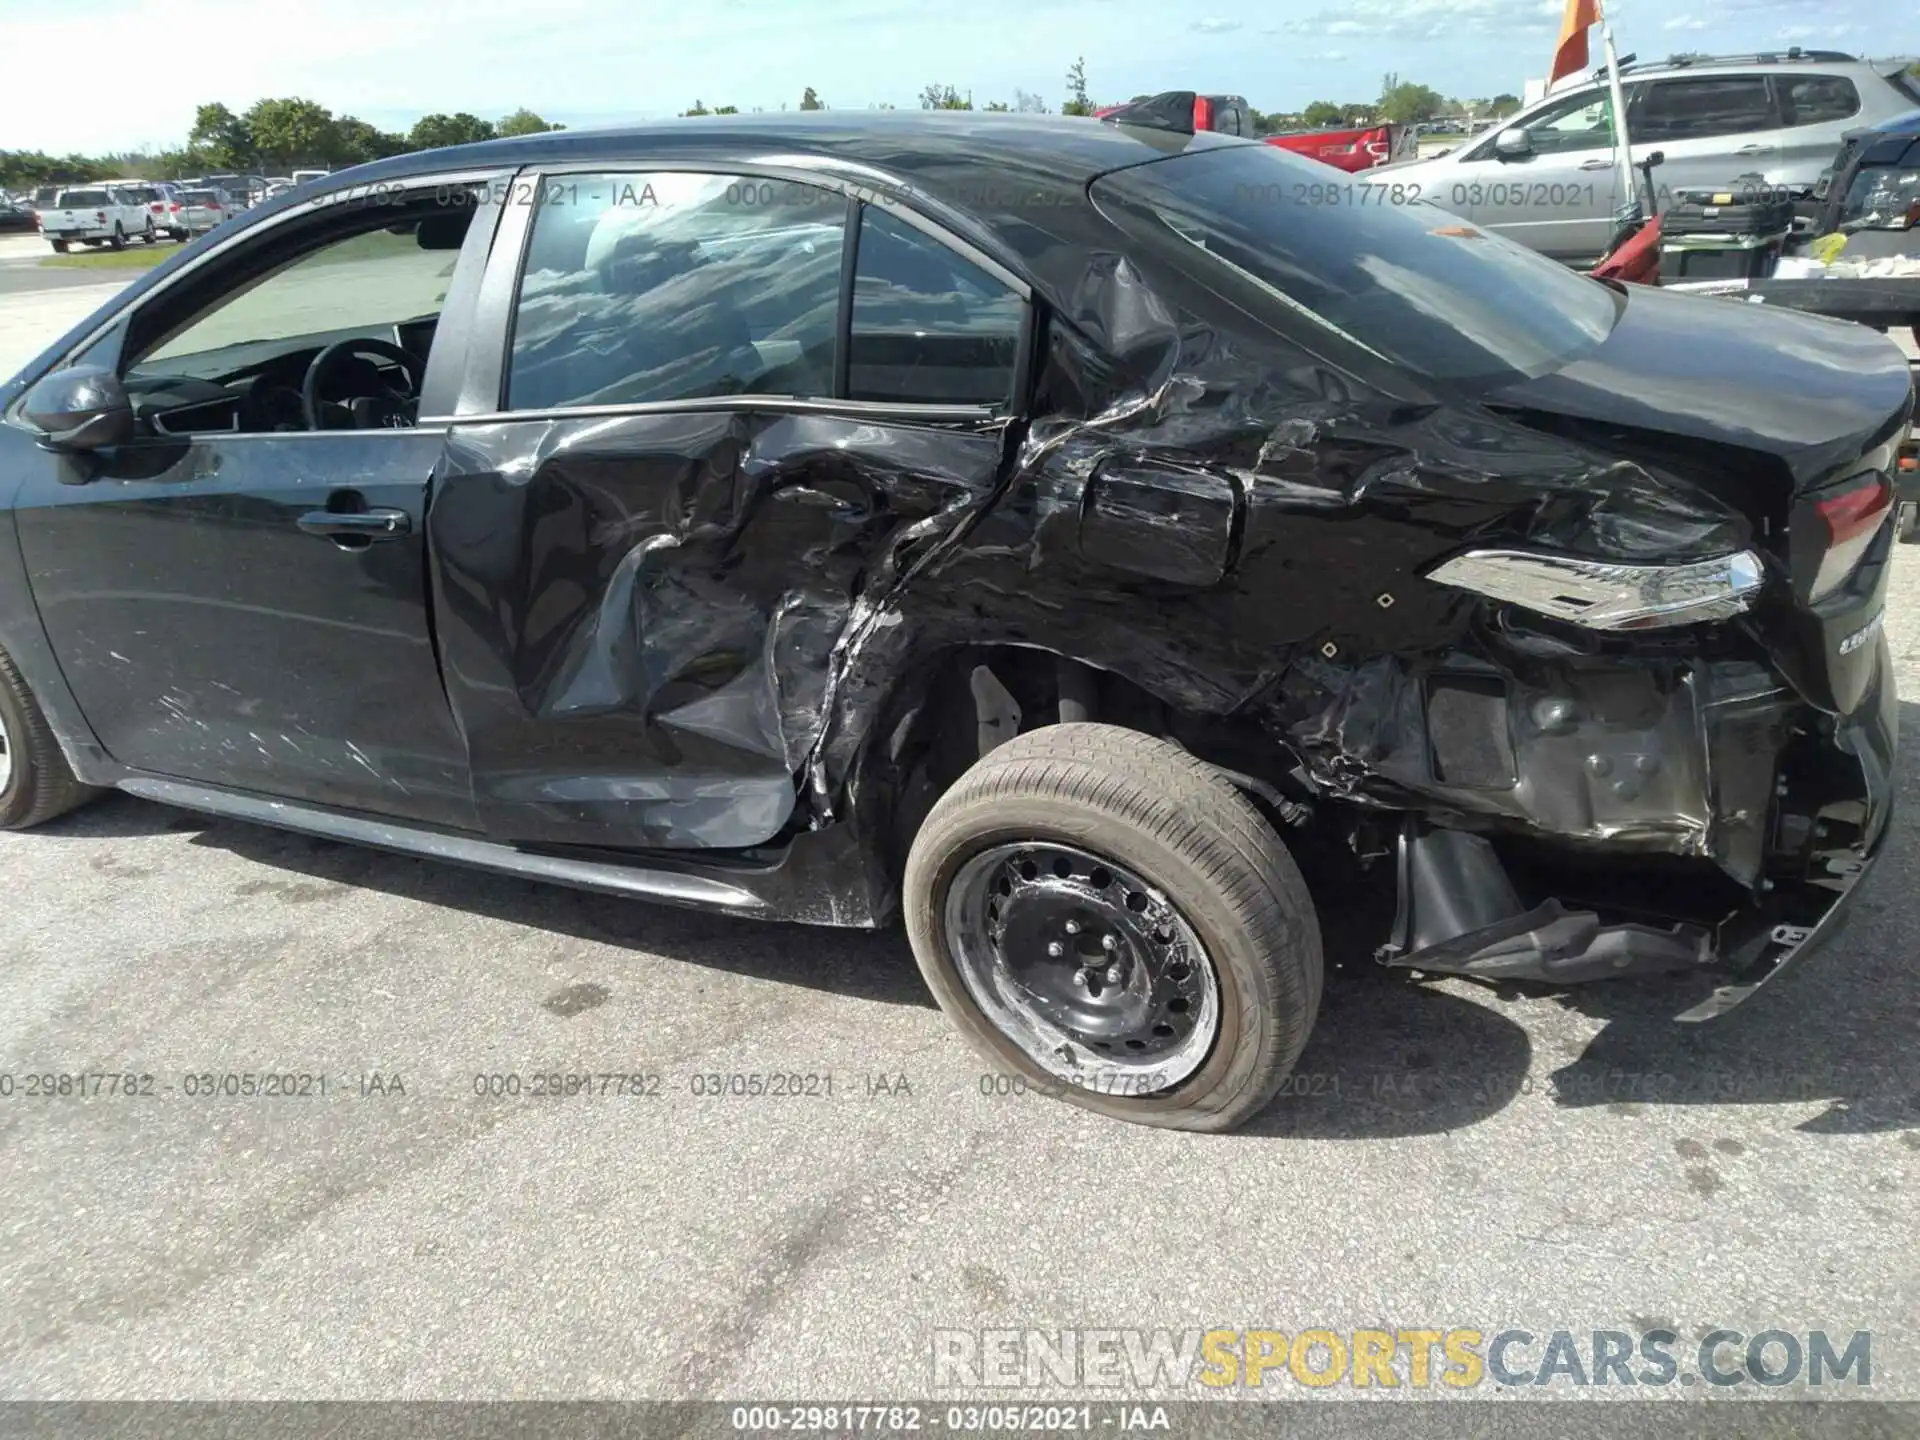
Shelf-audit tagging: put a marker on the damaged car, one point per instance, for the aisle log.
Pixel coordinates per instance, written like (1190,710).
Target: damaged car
(1098,545)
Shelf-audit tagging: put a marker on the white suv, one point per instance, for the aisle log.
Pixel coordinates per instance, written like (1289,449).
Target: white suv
(1771,123)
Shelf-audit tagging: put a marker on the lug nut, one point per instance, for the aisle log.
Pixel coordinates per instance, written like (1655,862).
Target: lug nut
(1073,927)
(1056,949)
(1109,944)
(1113,974)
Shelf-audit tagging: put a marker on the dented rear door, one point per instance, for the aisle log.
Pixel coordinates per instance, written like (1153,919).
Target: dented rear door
(685,487)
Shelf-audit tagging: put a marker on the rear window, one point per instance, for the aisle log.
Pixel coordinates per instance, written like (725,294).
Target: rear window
(72,199)
(1408,284)
(199,197)
(1815,99)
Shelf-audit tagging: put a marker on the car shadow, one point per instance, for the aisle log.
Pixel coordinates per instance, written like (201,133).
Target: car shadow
(862,964)
(1389,1056)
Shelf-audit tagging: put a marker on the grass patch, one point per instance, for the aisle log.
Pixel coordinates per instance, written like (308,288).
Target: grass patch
(135,257)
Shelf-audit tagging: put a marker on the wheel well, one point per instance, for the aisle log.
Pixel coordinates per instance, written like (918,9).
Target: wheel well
(969,699)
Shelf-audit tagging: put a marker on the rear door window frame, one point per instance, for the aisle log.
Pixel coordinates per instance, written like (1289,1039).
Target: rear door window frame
(482,393)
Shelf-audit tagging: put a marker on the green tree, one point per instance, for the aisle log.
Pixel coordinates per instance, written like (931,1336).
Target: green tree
(699,108)
(291,132)
(999,106)
(1503,105)
(430,132)
(1028,104)
(222,136)
(1406,103)
(1322,114)
(726,109)
(944,97)
(1077,102)
(355,142)
(524,122)
(810,100)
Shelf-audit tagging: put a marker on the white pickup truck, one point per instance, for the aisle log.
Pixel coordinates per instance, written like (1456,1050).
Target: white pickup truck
(96,215)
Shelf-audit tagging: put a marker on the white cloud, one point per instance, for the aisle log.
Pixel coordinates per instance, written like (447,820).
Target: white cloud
(1685,22)
(1214,27)
(1432,19)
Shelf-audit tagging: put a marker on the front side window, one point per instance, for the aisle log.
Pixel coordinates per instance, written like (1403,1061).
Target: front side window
(364,284)
(1580,121)
(929,327)
(646,287)
(1407,284)
(1702,108)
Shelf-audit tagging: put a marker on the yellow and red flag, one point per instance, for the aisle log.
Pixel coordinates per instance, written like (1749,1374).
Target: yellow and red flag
(1570,55)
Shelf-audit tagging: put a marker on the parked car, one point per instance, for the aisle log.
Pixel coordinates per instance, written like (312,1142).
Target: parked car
(1548,177)
(242,190)
(14,216)
(202,210)
(1353,149)
(162,201)
(1100,591)
(1221,114)
(96,215)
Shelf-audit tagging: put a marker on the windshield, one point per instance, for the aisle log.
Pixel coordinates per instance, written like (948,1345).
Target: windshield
(1884,197)
(1347,261)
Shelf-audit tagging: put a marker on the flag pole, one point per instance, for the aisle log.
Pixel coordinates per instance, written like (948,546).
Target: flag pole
(1617,95)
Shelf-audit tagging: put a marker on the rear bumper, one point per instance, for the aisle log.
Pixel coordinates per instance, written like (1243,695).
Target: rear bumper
(1812,819)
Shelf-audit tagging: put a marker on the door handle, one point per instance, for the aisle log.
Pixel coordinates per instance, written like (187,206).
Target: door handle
(1751,150)
(1596,164)
(356,524)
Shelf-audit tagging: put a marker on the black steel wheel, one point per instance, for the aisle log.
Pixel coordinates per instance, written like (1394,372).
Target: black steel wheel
(1109,918)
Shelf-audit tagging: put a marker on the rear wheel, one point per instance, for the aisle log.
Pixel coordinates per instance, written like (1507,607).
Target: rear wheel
(36,783)
(1110,919)
(148,235)
(60,247)
(119,240)
(1907,527)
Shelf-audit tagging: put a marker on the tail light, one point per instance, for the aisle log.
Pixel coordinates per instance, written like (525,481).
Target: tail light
(1202,114)
(1852,518)
(158,207)
(1601,595)
(173,207)
(101,216)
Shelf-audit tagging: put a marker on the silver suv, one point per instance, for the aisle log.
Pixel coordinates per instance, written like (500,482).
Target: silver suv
(1548,177)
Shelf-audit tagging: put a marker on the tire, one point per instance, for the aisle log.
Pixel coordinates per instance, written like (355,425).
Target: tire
(149,235)
(1906,528)
(1146,807)
(60,247)
(119,240)
(38,783)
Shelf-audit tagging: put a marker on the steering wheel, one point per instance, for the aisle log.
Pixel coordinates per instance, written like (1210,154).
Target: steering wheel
(387,404)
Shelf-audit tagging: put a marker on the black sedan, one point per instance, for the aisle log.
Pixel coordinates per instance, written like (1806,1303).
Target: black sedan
(1098,543)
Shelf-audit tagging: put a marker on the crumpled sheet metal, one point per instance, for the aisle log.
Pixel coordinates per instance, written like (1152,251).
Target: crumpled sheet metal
(642,612)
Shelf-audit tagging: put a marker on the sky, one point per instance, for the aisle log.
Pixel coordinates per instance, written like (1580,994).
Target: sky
(588,62)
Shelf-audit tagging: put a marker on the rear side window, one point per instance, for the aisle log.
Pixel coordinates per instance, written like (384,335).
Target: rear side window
(1815,99)
(1701,108)
(929,326)
(647,287)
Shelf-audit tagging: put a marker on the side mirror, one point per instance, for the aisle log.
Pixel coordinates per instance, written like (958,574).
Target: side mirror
(1513,143)
(83,408)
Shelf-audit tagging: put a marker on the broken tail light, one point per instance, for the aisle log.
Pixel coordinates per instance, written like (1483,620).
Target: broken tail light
(1852,518)
(1601,595)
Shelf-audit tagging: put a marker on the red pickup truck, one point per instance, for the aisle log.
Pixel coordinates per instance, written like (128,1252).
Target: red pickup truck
(1357,149)
(1353,149)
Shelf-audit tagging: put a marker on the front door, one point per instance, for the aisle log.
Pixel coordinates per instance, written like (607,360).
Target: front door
(238,597)
(1558,198)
